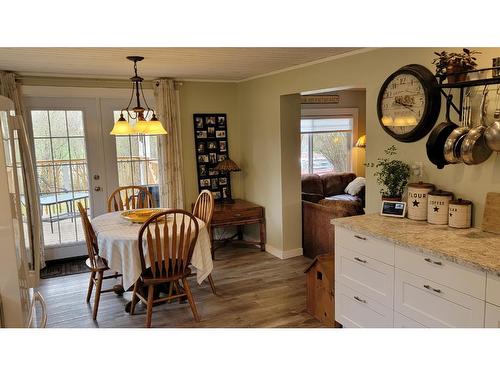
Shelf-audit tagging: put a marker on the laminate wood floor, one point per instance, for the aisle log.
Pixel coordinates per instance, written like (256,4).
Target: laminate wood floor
(254,289)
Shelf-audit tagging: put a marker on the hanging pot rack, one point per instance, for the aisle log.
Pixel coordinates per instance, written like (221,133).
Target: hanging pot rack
(465,85)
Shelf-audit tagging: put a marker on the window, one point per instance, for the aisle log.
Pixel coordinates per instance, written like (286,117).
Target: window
(326,144)
(137,159)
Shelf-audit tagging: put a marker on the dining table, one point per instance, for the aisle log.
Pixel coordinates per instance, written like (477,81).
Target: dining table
(118,243)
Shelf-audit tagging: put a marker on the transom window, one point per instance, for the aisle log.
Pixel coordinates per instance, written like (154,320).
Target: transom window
(326,144)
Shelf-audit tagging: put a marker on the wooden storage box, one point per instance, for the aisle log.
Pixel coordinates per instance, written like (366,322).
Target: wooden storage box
(320,297)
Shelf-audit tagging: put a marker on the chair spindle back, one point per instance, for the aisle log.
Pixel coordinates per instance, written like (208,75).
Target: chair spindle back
(204,207)
(90,236)
(130,198)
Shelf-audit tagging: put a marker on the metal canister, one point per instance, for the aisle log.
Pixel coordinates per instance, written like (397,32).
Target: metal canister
(496,64)
(417,200)
(437,206)
(460,213)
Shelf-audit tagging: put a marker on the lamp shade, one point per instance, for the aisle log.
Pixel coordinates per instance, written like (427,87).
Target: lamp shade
(122,127)
(227,166)
(154,127)
(361,142)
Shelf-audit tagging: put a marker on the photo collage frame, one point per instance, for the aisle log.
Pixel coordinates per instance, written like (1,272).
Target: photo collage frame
(210,133)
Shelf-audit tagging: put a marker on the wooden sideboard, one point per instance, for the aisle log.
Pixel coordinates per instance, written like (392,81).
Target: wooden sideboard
(239,214)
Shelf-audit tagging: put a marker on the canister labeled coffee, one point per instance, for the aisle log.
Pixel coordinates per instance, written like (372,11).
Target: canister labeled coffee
(460,213)
(417,200)
(437,206)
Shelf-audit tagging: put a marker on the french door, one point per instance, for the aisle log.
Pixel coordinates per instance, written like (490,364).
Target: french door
(78,161)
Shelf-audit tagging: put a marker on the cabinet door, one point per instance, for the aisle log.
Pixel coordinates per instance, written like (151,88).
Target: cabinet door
(371,277)
(369,246)
(492,316)
(493,288)
(435,305)
(354,309)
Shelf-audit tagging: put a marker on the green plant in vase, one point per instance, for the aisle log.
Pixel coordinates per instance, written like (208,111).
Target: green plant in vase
(392,174)
(450,64)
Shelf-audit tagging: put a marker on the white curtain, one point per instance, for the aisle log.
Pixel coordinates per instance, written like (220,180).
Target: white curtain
(170,146)
(10,89)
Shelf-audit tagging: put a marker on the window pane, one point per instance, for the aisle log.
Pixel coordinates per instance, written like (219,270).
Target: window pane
(40,120)
(79,175)
(46,179)
(152,147)
(304,153)
(75,123)
(42,150)
(122,146)
(153,172)
(326,124)
(58,123)
(124,173)
(331,152)
(77,149)
(60,149)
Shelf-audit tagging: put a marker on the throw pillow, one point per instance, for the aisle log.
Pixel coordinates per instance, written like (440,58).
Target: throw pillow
(355,186)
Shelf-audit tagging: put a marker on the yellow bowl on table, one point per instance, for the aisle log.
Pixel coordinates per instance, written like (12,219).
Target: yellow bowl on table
(140,215)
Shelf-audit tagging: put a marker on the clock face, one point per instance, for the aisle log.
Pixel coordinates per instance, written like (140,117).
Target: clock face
(403,103)
(409,103)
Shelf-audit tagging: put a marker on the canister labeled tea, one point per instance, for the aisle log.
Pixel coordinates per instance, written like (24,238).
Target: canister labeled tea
(417,200)
(437,206)
(460,213)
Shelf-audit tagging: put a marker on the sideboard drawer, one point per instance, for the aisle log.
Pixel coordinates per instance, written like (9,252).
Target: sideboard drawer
(493,289)
(401,321)
(435,305)
(463,279)
(492,316)
(371,277)
(366,245)
(354,309)
(235,215)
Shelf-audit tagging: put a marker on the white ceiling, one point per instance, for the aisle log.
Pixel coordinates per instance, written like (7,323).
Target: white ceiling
(232,64)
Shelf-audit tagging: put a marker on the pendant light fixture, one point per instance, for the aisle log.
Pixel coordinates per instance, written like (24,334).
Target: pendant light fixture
(138,113)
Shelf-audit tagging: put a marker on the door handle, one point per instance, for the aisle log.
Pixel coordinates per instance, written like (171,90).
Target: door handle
(429,260)
(360,260)
(359,299)
(431,288)
(359,237)
(97,188)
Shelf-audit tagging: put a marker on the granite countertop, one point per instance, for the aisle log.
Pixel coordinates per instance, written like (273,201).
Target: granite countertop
(468,247)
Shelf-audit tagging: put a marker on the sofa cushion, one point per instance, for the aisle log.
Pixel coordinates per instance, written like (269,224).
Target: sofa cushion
(310,197)
(335,183)
(343,208)
(312,184)
(343,197)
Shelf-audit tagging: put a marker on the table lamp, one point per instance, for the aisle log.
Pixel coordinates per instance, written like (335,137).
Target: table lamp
(227,166)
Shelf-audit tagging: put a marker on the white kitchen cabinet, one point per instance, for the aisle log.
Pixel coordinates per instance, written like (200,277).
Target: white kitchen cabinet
(435,305)
(366,245)
(492,316)
(463,279)
(369,276)
(354,309)
(493,288)
(401,321)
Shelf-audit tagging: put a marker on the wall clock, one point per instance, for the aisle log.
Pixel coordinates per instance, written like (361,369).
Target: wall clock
(408,103)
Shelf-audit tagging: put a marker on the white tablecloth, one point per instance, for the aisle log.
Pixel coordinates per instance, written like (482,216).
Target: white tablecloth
(117,239)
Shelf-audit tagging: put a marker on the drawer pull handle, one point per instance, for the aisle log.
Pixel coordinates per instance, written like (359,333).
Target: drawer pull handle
(360,260)
(430,288)
(432,261)
(359,299)
(360,238)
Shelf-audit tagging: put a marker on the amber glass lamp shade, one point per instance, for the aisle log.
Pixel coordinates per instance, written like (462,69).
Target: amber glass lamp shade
(122,127)
(154,127)
(361,143)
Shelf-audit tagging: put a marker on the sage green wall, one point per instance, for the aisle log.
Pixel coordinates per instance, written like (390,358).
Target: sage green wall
(208,97)
(266,163)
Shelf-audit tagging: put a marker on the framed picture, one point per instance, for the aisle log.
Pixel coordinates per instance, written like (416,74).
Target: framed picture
(211,146)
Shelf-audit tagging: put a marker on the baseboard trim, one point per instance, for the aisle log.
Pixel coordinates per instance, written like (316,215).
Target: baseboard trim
(283,254)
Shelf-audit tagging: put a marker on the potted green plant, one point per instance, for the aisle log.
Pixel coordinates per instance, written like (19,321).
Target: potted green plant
(449,64)
(392,174)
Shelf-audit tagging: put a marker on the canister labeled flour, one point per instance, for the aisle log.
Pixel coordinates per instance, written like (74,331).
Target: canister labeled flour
(437,206)
(459,213)
(417,200)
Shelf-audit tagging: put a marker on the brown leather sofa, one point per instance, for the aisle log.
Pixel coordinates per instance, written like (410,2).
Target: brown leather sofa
(323,198)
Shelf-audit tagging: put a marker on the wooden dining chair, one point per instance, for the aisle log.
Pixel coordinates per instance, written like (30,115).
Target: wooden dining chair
(130,198)
(96,264)
(167,241)
(204,210)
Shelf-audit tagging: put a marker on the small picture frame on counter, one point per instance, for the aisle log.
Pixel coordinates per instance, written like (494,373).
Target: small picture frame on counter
(393,209)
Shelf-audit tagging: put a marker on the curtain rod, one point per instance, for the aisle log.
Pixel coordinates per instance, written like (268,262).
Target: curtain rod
(83,82)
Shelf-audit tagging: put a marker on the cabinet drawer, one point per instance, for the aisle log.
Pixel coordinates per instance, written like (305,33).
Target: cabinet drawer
(493,288)
(435,305)
(235,215)
(371,277)
(463,279)
(366,245)
(492,316)
(354,309)
(401,321)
